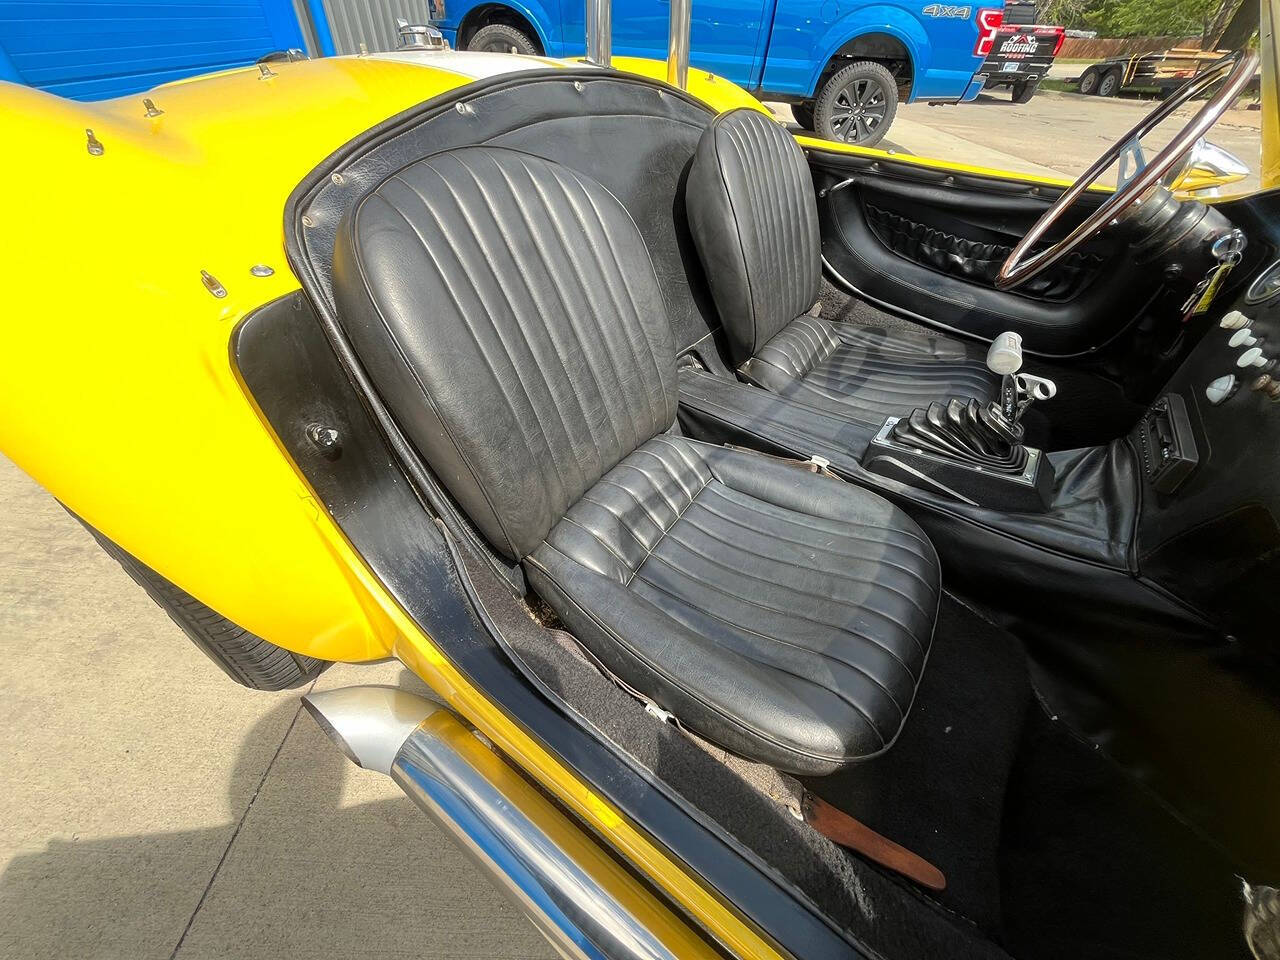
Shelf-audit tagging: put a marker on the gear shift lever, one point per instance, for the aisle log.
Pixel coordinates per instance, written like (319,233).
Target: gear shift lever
(1017,390)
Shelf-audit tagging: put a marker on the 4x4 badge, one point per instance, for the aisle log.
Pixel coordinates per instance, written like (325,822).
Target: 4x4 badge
(947,12)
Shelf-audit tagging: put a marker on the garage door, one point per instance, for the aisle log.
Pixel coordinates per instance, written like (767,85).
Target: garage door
(101,48)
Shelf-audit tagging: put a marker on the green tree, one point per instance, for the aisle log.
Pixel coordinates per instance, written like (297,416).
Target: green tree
(1135,18)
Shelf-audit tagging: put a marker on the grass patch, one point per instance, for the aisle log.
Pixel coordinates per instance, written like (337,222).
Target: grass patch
(1059,86)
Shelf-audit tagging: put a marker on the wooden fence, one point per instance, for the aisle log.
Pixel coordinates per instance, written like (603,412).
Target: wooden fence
(1099,49)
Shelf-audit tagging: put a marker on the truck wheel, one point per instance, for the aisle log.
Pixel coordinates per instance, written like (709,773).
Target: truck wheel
(244,657)
(857,104)
(1089,82)
(803,112)
(500,38)
(1024,91)
(1109,86)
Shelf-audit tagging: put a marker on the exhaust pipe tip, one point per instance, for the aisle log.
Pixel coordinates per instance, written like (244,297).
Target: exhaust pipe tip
(369,724)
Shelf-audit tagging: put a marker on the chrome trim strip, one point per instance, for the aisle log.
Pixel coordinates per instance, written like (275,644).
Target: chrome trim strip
(576,913)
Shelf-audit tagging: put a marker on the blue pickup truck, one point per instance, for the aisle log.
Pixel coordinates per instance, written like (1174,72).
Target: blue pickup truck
(844,65)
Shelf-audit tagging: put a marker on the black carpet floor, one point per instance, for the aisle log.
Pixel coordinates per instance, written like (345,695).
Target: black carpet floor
(1050,850)
(1048,847)
(1093,865)
(940,791)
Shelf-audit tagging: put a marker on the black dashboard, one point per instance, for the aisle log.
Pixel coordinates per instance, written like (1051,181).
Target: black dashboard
(1209,453)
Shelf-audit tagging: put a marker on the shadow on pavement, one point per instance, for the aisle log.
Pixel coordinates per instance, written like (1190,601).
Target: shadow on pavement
(327,861)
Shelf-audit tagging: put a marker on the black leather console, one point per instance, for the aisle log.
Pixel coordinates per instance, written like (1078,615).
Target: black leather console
(1092,508)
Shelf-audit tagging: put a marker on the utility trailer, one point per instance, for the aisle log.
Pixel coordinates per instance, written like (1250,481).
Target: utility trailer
(1162,72)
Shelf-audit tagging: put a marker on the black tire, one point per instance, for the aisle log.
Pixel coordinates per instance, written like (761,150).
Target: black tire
(1109,85)
(244,657)
(501,38)
(1024,91)
(803,112)
(857,104)
(1089,82)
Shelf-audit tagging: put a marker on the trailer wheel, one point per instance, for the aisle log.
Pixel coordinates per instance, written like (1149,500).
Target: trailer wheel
(1110,84)
(1025,90)
(857,104)
(803,112)
(1089,81)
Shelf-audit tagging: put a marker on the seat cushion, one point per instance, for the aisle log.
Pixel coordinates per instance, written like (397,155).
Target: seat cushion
(506,309)
(869,373)
(782,614)
(754,220)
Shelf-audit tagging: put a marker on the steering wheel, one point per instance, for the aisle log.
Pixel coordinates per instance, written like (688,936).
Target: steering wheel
(1132,188)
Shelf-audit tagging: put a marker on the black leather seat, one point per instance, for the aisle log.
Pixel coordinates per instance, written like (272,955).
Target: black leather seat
(754,219)
(508,313)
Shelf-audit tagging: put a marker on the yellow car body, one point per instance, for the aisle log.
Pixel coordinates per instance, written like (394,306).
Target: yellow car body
(140,234)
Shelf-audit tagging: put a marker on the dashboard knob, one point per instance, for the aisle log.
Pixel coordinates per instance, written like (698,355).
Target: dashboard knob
(1222,388)
(1266,384)
(1253,357)
(1243,338)
(1233,320)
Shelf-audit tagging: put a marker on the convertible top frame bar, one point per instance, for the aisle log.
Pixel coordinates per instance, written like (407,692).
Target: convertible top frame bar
(599,21)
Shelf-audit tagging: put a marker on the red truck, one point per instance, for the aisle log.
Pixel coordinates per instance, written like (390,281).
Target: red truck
(1022,53)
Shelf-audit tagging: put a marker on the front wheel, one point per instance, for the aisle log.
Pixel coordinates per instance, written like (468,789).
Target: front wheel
(1024,91)
(244,657)
(857,104)
(1089,82)
(500,38)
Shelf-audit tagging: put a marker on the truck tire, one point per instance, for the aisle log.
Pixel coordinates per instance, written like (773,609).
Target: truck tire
(857,104)
(803,112)
(1024,91)
(244,657)
(501,38)
(1109,85)
(1089,81)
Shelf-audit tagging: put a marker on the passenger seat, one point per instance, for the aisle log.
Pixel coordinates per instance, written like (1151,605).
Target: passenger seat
(754,220)
(507,311)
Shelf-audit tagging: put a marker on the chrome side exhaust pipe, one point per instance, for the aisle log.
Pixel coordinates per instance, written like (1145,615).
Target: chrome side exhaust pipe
(584,902)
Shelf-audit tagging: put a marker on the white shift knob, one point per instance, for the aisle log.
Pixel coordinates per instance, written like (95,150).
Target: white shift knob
(1233,320)
(1005,355)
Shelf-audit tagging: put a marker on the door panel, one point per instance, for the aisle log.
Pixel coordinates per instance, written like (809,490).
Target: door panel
(928,244)
(724,36)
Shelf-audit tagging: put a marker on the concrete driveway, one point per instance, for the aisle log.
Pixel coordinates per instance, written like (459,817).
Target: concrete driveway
(154,809)
(1056,134)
